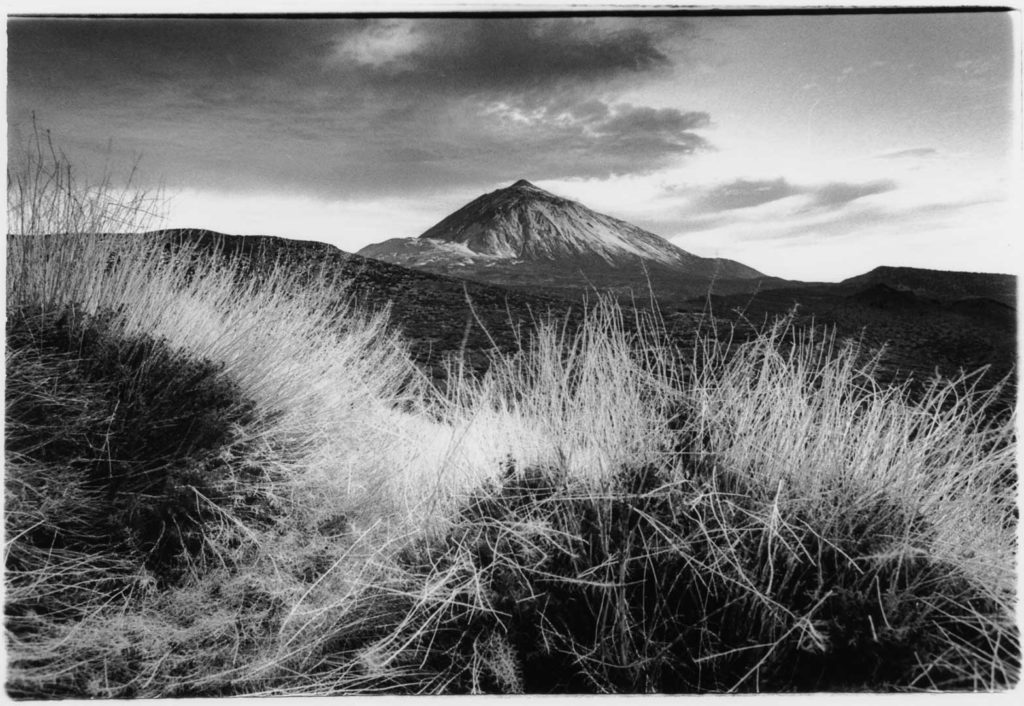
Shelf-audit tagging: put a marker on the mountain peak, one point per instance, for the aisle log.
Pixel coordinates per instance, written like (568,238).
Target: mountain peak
(524,188)
(524,225)
(523,222)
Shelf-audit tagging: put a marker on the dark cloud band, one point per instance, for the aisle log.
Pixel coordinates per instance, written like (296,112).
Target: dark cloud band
(500,55)
(353,106)
(838,194)
(745,193)
(913,153)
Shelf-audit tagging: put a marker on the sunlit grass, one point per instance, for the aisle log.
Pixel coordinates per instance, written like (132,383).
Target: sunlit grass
(760,518)
(220,484)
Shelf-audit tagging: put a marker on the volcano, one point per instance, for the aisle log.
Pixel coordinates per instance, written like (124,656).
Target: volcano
(525,236)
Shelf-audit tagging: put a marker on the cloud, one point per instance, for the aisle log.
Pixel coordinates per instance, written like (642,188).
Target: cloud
(745,193)
(838,194)
(914,153)
(922,205)
(86,55)
(380,43)
(663,128)
(638,132)
(472,55)
(588,139)
(833,224)
(665,121)
(589,110)
(349,106)
(777,210)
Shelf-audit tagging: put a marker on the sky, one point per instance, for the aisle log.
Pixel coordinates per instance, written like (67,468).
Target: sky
(812,147)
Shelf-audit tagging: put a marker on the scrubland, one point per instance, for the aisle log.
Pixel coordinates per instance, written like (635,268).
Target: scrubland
(224,485)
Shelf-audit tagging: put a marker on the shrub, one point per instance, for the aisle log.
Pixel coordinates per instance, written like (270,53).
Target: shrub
(135,425)
(793,527)
(669,581)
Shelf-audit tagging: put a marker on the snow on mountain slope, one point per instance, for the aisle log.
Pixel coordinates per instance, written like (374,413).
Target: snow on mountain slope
(524,224)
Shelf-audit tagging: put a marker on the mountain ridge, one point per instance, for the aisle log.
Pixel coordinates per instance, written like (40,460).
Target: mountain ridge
(945,285)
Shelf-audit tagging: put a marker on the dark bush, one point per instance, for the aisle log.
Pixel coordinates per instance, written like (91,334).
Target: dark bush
(134,426)
(671,581)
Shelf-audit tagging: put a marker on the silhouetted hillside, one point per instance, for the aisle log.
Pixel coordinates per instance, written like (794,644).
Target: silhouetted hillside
(938,284)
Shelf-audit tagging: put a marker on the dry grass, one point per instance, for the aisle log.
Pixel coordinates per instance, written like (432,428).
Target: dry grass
(761,519)
(106,333)
(223,485)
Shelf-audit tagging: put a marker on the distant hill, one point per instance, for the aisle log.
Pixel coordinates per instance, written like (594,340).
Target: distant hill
(921,321)
(523,236)
(937,284)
